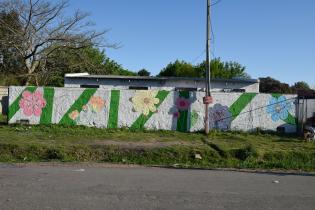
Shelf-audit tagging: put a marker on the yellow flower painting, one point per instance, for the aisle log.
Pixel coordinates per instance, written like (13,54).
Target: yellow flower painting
(144,101)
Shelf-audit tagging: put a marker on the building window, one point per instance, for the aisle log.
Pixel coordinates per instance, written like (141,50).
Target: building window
(185,89)
(138,88)
(89,86)
(239,90)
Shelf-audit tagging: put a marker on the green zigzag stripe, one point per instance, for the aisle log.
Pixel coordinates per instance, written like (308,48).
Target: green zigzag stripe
(237,107)
(182,124)
(81,101)
(113,109)
(291,119)
(46,116)
(15,107)
(142,119)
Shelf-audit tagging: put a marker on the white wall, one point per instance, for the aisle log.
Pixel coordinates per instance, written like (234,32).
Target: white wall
(229,111)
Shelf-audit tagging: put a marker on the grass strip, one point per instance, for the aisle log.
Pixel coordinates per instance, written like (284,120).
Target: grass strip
(217,150)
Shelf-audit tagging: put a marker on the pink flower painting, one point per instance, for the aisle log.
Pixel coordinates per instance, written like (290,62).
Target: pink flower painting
(32,103)
(96,103)
(74,115)
(182,104)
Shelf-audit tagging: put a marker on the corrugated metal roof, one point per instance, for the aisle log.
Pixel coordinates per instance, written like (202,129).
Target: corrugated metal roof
(118,77)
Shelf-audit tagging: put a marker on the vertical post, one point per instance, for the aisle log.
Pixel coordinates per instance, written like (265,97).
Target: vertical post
(208,98)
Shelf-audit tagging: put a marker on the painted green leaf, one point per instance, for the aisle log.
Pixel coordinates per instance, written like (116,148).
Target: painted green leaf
(194,118)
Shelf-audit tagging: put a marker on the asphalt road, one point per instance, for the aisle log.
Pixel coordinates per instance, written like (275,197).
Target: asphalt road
(107,187)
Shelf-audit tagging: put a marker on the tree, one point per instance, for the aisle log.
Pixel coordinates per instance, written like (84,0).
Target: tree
(300,86)
(270,85)
(89,59)
(144,72)
(112,67)
(179,69)
(67,60)
(219,69)
(10,61)
(42,30)
(223,70)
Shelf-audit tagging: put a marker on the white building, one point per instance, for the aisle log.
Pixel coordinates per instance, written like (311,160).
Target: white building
(161,83)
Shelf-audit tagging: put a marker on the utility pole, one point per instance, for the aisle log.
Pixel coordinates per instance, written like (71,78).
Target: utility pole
(208,99)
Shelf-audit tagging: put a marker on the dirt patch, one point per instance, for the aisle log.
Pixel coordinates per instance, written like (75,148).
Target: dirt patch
(139,145)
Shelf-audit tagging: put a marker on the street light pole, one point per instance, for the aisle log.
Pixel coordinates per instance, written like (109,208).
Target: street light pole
(208,99)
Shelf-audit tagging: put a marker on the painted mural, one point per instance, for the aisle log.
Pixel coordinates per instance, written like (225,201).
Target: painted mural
(220,117)
(32,103)
(152,109)
(145,101)
(279,108)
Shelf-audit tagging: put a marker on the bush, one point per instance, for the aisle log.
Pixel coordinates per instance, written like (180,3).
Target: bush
(244,153)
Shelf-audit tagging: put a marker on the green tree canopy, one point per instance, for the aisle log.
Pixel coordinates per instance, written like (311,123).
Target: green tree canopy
(219,69)
(144,72)
(89,59)
(223,70)
(270,85)
(35,29)
(300,86)
(179,69)
(10,60)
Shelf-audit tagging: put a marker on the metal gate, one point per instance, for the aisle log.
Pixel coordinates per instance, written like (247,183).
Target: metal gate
(305,110)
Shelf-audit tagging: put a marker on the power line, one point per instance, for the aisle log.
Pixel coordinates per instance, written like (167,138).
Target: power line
(212,39)
(194,61)
(212,32)
(199,56)
(217,2)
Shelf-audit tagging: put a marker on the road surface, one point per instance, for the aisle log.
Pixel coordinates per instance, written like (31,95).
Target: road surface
(38,186)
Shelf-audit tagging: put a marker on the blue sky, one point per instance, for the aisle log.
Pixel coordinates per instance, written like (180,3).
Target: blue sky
(270,37)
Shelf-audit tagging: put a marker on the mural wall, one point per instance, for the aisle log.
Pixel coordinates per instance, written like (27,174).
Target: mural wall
(150,109)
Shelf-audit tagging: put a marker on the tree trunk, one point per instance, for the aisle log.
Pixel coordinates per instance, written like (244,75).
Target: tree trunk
(31,67)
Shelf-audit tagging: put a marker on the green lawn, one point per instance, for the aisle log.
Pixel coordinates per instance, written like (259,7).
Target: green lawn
(3,119)
(168,148)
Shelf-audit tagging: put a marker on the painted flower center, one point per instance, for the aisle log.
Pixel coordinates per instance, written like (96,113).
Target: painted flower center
(182,103)
(146,100)
(278,108)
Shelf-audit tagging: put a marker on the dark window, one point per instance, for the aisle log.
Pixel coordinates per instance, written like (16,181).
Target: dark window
(89,86)
(138,88)
(239,90)
(185,89)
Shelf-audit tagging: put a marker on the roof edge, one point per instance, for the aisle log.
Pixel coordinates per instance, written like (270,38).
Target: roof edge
(157,78)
